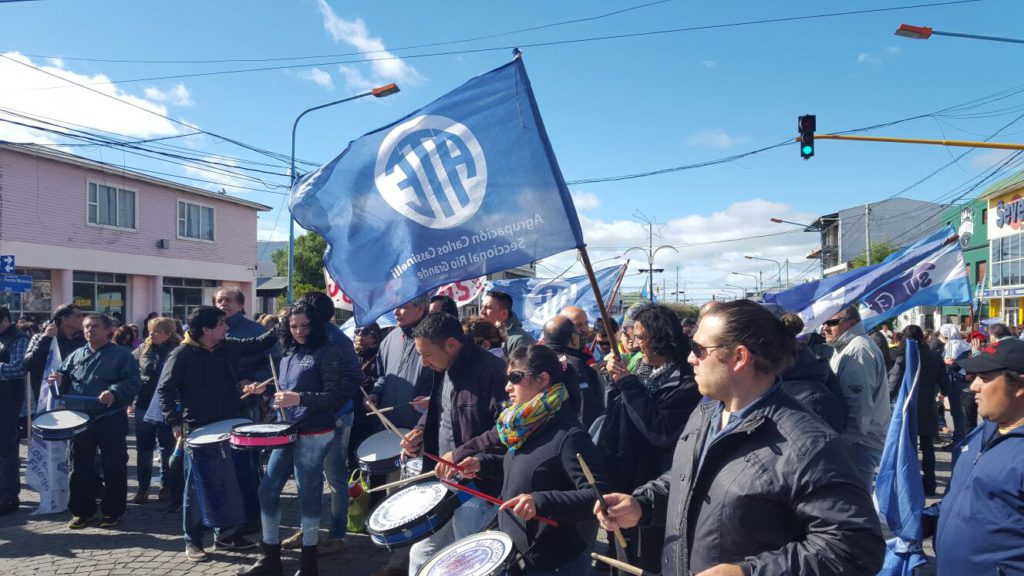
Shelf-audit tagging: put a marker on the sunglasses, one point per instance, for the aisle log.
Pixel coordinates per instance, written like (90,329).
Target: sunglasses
(701,351)
(603,343)
(832,322)
(516,376)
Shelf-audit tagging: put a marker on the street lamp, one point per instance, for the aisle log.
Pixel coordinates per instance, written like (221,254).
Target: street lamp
(378,92)
(757,284)
(924,33)
(777,263)
(743,291)
(818,227)
(651,253)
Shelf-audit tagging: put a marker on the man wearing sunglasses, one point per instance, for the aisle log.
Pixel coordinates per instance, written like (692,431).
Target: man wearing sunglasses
(758,484)
(860,367)
(980,527)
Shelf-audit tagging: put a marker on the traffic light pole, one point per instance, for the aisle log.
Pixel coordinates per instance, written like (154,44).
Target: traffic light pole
(960,143)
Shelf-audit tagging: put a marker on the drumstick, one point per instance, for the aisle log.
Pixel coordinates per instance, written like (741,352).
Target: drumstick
(273,372)
(423,476)
(621,565)
(619,538)
(383,419)
(264,383)
(493,500)
(440,460)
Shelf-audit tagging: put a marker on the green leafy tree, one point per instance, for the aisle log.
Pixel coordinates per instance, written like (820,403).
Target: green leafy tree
(309,262)
(879,251)
(683,311)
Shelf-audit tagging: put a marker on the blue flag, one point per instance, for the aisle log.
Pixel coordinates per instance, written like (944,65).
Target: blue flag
(818,301)
(466,186)
(899,489)
(537,300)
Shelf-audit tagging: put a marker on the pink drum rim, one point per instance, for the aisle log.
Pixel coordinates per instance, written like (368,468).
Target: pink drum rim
(262,441)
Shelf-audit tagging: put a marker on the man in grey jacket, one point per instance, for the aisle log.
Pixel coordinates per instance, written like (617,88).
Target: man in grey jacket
(758,485)
(860,368)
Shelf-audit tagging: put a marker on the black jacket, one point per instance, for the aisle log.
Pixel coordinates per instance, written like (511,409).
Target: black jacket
(479,381)
(151,363)
(205,380)
(639,432)
(779,494)
(590,388)
(933,380)
(39,350)
(546,467)
(13,389)
(811,381)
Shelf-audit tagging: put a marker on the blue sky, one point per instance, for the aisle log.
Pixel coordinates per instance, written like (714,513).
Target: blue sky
(611,107)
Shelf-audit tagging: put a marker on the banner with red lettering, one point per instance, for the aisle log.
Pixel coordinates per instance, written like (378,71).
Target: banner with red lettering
(463,292)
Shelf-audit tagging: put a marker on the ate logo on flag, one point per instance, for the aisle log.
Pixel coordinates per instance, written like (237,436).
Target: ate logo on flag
(432,170)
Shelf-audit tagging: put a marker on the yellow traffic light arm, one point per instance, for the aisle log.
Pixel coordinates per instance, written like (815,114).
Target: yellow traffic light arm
(961,143)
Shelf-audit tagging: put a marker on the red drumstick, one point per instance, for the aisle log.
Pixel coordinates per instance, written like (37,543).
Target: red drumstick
(440,460)
(494,500)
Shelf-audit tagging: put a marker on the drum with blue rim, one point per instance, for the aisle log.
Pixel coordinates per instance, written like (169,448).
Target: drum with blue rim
(488,553)
(413,513)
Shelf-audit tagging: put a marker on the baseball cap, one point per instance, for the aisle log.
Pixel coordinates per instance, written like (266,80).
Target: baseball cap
(1003,355)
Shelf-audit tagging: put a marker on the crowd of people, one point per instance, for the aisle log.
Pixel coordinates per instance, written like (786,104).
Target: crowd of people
(735,443)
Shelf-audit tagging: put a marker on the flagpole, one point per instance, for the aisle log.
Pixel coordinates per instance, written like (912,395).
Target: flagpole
(600,301)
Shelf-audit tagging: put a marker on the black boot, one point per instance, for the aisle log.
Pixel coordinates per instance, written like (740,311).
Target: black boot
(308,565)
(268,564)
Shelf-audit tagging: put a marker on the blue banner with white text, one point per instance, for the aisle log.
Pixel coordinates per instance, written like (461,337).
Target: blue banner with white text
(466,186)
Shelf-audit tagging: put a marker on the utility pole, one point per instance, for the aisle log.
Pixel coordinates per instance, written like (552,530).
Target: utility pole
(867,232)
(677,284)
(651,251)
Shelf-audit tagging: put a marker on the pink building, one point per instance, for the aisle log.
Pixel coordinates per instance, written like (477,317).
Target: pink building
(119,242)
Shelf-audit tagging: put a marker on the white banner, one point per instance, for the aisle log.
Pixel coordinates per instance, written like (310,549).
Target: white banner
(47,468)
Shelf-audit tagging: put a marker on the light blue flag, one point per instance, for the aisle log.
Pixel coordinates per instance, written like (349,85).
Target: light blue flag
(818,301)
(466,186)
(645,292)
(899,489)
(939,280)
(537,300)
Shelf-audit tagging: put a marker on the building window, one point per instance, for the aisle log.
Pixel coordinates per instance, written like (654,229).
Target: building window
(195,221)
(183,295)
(102,293)
(37,303)
(984,215)
(111,206)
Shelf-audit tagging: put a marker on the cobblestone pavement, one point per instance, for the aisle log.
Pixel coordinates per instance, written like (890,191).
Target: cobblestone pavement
(148,541)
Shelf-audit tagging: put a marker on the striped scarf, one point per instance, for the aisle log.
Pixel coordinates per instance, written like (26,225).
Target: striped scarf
(517,423)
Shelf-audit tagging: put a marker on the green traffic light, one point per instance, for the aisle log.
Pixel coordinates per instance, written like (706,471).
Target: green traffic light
(808,149)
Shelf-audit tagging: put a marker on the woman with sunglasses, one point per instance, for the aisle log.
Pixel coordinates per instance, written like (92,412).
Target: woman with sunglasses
(646,412)
(310,390)
(541,473)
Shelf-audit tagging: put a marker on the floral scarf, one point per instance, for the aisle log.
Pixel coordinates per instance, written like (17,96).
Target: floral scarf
(653,378)
(517,423)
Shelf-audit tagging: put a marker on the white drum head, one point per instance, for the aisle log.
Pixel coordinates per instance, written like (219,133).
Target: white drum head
(476,555)
(60,420)
(412,467)
(264,428)
(383,445)
(406,505)
(215,432)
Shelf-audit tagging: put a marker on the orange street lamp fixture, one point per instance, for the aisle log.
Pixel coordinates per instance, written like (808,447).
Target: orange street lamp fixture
(924,33)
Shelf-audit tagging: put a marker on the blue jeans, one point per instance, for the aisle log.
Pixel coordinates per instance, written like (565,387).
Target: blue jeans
(336,472)
(306,459)
(191,515)
(146,437)
(469,518)
(579,566)
(866,460)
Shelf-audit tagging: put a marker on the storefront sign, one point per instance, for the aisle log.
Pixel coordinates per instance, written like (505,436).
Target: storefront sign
(1010,213)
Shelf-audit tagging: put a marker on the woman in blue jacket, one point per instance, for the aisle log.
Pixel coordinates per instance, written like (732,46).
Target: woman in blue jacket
(310,390)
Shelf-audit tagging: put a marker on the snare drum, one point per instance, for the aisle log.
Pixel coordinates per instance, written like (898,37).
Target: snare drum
(226,480)
(256,436)
(380,453)
(412,467)
(413,513)
(59,424)
(483,554)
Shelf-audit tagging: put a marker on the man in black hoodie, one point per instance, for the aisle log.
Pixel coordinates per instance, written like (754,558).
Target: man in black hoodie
(201,373)
(13,343)
(586,399)
(65,328)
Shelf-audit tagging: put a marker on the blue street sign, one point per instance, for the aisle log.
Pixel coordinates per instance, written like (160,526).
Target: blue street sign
(7,263)
(16,282)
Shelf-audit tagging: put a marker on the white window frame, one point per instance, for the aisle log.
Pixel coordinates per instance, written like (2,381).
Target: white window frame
(177,220)
(134,191)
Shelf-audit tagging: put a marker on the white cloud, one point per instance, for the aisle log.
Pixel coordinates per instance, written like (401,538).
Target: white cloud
(355,80)
(708,249)
(319,77)
(178,95)
(586,201)
(715,138)
(894,50)
(879,57)
(867,57)
(709,63)
(990,159)
(32,92)
(385,68)
(215,176)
